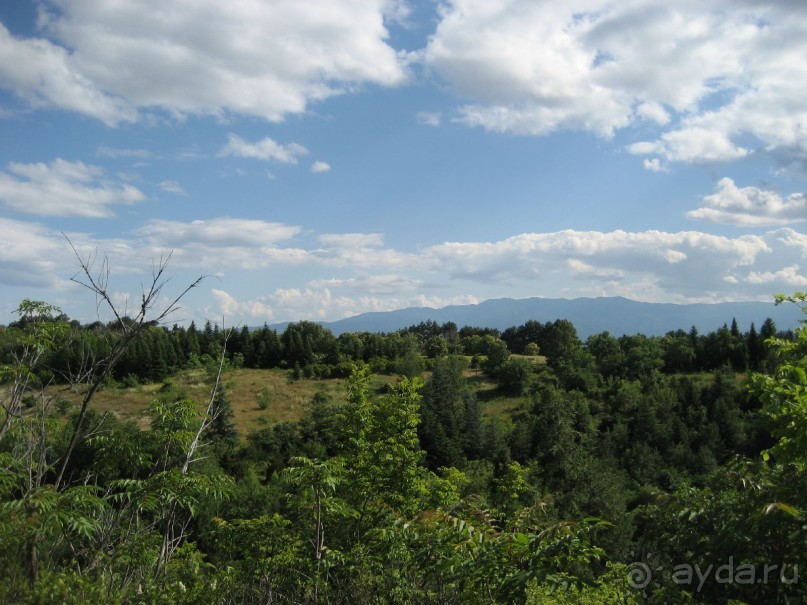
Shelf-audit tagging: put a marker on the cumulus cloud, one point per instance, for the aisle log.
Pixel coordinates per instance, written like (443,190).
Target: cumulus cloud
(297,303)
(792,275)
(264,59)
(42,73)
(686,264)
(319,304)
(64,188)
(219,231)
(371,284)
(654,112)
(692,145)
(116,152)
(750,206)
(172,187)
(31,254)
(221,243)
(653,165)
(228,307)
(320,167)
(328,276)
(352,240)
(712,75)
(680,267)
(362,250)
(265,149)
(429,118)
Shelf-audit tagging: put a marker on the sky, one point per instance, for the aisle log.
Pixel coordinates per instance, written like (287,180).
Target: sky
(317,159)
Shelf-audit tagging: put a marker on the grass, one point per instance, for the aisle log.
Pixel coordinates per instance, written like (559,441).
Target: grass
(289,401)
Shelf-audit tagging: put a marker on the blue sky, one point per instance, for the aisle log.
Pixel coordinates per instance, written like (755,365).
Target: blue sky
(322,158)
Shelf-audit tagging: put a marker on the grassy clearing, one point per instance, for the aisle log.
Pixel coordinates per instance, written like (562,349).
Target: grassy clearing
(289,401)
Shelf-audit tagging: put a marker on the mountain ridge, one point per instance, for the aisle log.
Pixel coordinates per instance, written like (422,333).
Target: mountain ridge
(616,314)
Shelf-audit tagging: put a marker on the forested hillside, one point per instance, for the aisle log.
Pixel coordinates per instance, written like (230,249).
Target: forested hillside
(631,469)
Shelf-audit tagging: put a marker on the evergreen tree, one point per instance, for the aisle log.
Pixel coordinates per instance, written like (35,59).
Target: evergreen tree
(755,347)
(452,421)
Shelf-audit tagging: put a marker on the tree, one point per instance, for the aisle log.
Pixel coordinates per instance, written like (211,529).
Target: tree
(784,393)
(408,362)
(531,349)
(515,376)
(435,346)
(451,420)
(497,353)
(643,356)
(384,449)
(608,354)
(679,354)
(41,331)
(318,480)
(95,371)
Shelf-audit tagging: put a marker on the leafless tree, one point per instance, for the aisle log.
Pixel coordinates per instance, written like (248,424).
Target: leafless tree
(128,328)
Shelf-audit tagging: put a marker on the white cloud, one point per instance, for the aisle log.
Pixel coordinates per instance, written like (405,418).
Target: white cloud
(352,240)
(653,165)
(217,233)
(31,255)
(221,243)
(42,73)
(113,152)
(684,265)
(328,276)
(265,149)
(320,167)
(373,284)
(750,206)
(720,77)
(362,250)
(526,65)
(296,303)
(429,118)
(654,112)
(791,275)
(318,304)
(229,308)
(693,145)
(63,188)
(172,187)
(264,59)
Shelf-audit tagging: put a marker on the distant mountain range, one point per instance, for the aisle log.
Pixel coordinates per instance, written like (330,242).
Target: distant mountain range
(616,315)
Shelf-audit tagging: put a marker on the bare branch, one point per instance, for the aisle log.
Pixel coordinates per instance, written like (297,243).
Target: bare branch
(130,329)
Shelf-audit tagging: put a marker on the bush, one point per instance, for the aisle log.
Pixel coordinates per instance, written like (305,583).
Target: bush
(265,397)
(130,381)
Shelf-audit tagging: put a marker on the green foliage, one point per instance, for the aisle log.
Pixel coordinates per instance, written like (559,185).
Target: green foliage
(407,493)
(784,393)
(265,397)
(496,353)
(612,588)
(516,376)
(451,426)
(531,349)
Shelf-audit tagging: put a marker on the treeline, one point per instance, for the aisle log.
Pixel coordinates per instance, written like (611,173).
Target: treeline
(309,350)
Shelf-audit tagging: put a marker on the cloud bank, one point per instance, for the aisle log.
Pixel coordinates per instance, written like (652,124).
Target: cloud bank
(341,274)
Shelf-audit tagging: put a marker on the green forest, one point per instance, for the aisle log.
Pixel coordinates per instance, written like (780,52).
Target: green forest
(626,469)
